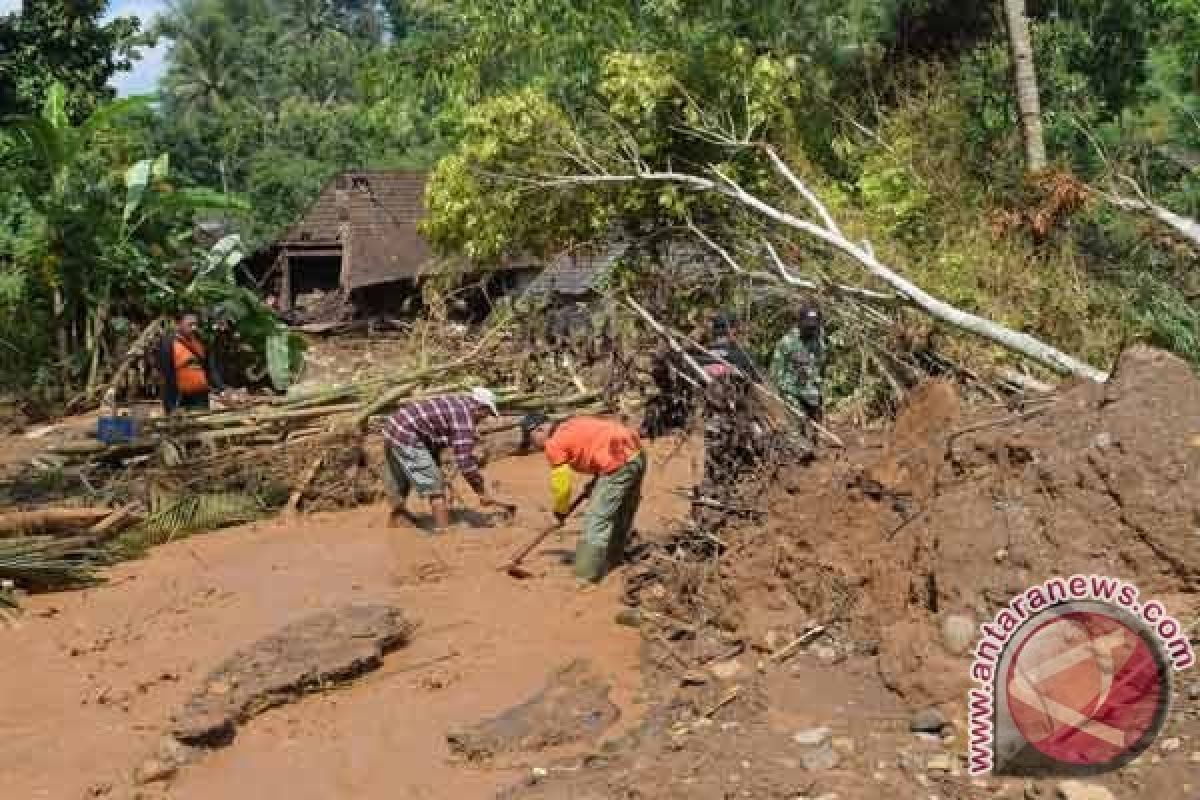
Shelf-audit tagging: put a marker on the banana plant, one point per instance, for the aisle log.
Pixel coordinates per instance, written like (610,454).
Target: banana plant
(106,235)
(52,147)
(50,150)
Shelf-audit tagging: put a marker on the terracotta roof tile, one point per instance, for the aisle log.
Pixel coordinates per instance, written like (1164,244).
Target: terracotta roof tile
(374,216)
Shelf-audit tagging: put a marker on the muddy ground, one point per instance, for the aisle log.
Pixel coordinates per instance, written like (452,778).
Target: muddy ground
(880,544)
(90,680)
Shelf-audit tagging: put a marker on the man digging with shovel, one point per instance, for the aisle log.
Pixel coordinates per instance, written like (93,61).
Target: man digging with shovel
(417,433)
(613,455)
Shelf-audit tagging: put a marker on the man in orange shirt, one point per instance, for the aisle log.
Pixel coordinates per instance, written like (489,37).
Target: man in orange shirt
(187,367)
(612,453)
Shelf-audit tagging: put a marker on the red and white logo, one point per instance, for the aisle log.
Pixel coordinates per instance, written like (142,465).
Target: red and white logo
(1085,688)
(1082,688)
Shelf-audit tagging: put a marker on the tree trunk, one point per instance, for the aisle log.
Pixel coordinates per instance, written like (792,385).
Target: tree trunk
(64,346)
(1025,78)
(1187,228)
(50,520)
(95,339)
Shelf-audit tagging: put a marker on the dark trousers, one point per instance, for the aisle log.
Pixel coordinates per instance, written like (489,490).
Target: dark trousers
(187,402)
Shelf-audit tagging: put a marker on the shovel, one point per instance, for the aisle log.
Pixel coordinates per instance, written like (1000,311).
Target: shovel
(513,565)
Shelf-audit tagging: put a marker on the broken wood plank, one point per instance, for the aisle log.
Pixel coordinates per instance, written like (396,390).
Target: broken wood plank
(725,700)
(788,650)
(115,522)
(293,504)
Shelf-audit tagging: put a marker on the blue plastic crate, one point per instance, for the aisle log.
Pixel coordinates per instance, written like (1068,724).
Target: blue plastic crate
(115,430)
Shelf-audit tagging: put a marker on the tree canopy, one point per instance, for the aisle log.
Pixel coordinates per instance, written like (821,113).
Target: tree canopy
(62,41)
(901,114)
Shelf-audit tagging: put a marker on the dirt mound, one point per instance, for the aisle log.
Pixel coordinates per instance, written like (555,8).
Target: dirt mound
(955,517)
(315,653)
(573,706)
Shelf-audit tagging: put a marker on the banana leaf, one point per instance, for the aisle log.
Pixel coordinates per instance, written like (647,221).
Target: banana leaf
(279,361)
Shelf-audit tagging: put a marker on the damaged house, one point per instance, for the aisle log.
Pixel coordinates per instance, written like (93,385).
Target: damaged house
(358,251)
(575,292)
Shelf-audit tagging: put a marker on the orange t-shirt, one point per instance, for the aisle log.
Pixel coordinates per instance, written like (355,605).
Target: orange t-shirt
(190,376)
(592,446)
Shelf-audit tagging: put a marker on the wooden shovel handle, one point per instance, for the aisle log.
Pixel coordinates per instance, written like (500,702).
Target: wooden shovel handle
(541,537)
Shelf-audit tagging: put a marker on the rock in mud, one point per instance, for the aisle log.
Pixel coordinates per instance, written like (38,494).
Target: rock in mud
(726,670)
(1078,790)
(172,751)
(152,771)
(828,656)
(928,720)
(313,654)
(574,706)
(819,759)
(958,633)
(812,737)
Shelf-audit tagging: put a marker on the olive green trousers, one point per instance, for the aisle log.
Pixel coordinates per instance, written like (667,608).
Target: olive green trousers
(609,520)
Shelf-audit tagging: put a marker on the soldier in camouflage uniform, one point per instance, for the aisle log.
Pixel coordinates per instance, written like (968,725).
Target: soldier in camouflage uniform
(798,363)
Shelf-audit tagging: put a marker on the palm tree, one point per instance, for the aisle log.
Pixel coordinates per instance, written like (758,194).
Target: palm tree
(308,20)
(207,66)
(1025,78)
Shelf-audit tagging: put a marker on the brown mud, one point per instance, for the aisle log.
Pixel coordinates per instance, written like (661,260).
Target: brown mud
(90,680)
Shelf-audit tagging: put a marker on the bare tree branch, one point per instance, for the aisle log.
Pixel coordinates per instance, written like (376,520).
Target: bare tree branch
(721,251)
(786,171)
(671,341)
(1184,226)
(792,279)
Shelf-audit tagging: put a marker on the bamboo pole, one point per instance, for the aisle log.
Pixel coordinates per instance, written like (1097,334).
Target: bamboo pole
(26,523)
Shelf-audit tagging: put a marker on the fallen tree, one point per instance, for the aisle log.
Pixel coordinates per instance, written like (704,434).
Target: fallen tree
(825,229)
(1188,228)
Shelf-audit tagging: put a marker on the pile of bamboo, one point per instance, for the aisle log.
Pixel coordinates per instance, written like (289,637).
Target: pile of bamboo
(198,471)
(317,416)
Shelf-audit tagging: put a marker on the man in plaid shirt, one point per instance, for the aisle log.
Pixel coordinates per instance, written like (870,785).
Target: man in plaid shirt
(418,432)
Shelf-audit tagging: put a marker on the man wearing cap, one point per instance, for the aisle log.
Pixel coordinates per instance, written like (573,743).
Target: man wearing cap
(613,454)
(724,346)
(416,435)
(729,430)
(798,362)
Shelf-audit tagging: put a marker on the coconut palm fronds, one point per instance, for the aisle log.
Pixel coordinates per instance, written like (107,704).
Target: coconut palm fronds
(179,515)
(49,562)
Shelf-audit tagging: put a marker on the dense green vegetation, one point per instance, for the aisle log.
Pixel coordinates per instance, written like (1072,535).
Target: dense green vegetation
(900,113)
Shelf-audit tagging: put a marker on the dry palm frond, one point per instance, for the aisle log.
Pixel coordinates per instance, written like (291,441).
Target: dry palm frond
(179,515)
(49,562)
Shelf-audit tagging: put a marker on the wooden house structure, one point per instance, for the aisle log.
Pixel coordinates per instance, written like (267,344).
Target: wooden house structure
(360,243)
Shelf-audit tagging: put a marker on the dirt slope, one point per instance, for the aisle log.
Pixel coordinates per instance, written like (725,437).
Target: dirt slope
(956,515)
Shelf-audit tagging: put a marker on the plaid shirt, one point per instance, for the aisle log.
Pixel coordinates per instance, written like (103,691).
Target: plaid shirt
(438,422)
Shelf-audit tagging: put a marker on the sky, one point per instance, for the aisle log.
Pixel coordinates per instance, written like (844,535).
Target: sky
(146,70)
(150,67)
